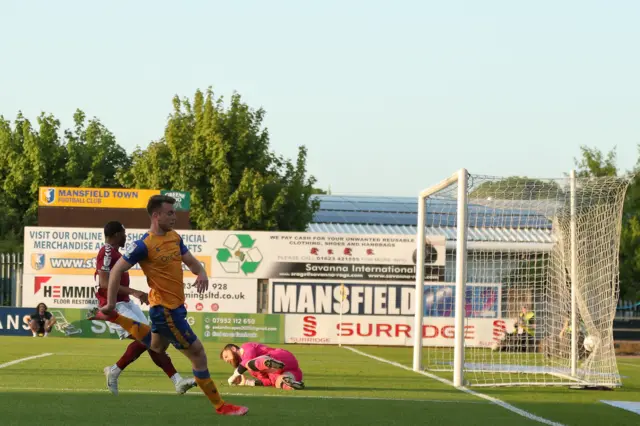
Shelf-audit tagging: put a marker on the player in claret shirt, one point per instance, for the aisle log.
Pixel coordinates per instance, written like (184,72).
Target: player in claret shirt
(160,253)
(269,366)
(115,237)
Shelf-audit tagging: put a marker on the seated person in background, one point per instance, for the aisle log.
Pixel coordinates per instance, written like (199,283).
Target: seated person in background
(41,321)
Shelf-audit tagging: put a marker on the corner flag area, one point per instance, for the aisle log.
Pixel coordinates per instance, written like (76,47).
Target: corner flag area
(60,381)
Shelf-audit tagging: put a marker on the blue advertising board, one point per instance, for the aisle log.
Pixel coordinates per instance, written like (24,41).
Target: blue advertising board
(14,322)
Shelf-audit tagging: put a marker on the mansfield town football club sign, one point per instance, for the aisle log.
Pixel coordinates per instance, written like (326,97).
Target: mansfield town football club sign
(107,197)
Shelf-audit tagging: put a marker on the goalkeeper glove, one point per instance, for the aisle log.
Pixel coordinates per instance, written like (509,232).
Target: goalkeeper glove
(242,382)
(234,377)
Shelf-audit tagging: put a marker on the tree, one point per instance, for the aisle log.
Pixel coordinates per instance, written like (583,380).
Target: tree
(94,157)
(222,156)
(630,239)
(10,147)
(31,157)
(148,167)
(320,191)
(516,188)
(594,163)
(219,153)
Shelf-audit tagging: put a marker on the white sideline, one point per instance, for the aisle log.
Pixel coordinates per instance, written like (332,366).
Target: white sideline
(17,361)
(496,401)
(279,395)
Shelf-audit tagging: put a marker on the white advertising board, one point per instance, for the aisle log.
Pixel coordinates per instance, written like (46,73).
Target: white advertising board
(258,255)
(387,331)
(78,291)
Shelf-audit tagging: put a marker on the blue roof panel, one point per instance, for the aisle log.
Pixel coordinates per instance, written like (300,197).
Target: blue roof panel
(403,211)
(476,234)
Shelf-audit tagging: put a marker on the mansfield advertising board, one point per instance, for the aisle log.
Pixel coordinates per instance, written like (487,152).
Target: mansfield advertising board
(380,298)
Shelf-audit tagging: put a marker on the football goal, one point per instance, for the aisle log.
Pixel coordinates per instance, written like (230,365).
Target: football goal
(531,281)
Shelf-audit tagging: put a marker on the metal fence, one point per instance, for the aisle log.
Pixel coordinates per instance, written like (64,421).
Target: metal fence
(10,278)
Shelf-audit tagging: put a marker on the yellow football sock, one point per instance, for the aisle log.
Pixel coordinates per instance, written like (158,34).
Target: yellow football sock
(208,387)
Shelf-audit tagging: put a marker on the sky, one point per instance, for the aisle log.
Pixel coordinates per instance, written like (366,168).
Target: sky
(389,97)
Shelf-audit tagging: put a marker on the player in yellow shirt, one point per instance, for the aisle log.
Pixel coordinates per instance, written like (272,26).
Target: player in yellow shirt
(160,253)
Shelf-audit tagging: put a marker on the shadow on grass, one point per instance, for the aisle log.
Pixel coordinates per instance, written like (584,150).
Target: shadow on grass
(70,409)
(381,389)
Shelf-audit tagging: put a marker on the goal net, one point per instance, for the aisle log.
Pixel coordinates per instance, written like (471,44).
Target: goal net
(531,281)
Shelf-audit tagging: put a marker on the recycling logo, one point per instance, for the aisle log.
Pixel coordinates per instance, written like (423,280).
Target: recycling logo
(239,254)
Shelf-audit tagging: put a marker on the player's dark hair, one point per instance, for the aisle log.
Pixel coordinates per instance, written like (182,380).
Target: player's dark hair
(41,304)
(228,348)
(112,228)
(156,201)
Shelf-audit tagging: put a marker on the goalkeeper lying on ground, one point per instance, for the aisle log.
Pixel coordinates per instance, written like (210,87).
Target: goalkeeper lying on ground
(269,366)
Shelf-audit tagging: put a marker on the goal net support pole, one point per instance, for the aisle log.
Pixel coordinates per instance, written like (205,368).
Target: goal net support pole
(460,177)
(574,276)
(461,280)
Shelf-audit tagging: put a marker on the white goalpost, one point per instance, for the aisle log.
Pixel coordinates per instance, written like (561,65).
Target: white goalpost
(531,280)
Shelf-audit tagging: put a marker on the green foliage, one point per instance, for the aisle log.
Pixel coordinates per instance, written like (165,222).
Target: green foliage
(28,158)
(219,154)
(630,239)
(321,191)
(630,259)
(11,245)
(94,158)
(516,188)
(594,163)
(591,163)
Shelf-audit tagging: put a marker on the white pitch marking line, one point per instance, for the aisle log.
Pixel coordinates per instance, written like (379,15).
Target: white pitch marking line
(17,361)
(496,401)
(196,393)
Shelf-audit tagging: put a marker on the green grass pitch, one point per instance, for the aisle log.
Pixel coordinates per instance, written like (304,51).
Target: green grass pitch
(343,387)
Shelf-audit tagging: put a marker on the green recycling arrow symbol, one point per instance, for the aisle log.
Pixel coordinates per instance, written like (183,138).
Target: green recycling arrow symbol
(223,255)
(249,267)
(239,254)
(245,240)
